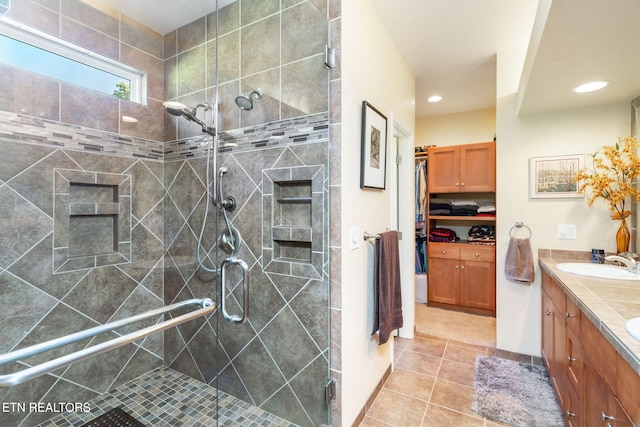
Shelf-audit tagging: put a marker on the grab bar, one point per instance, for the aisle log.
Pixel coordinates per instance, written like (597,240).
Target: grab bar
(234,318)
(10,380)
(88,333)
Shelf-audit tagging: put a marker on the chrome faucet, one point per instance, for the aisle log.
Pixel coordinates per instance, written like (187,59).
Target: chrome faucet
(631,264)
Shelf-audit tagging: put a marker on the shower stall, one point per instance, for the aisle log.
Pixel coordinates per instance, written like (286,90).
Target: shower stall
(210,187)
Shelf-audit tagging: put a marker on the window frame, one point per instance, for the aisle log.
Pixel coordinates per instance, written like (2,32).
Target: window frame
(65,49)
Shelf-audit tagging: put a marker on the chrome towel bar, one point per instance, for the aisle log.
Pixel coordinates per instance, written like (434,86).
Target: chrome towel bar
(10,380)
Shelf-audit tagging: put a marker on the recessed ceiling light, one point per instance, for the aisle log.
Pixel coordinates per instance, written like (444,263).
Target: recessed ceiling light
(590,87)
(434,98)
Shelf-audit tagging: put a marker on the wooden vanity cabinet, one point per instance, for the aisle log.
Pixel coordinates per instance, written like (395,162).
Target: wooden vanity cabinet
(462,275)
(595,386)
(554,353)
(462,168)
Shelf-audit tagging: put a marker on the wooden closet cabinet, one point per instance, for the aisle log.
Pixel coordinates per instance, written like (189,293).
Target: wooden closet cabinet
(462,168)
(462,275)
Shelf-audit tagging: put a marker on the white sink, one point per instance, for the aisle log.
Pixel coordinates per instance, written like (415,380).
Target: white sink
(598,270)
(633,327)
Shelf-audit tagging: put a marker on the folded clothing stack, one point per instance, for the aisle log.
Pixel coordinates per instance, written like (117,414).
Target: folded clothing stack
(464,207)
(487,209)
(439,207)
(482,235)
(442,235)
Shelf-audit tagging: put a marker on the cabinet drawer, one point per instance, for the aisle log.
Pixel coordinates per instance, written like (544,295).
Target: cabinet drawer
(478,253)
(443,250)
(572,315)
(599,350)
(554,291)
(628,389)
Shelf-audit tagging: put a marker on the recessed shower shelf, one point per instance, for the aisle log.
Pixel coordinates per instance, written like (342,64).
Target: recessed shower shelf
(295,200)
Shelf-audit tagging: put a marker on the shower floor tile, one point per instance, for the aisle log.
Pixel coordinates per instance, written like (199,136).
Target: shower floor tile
(167,398)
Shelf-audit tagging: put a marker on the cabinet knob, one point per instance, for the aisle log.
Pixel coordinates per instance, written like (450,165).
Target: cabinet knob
(462,267)
(462,183)
(457,184)
(570,414)
(547,312)
(568,315)
(457,267)
(444,252)
(571,359)
(477,254)
(606,417)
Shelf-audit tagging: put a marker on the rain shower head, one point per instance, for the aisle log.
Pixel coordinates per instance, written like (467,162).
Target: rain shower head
(246,102)
(178,109)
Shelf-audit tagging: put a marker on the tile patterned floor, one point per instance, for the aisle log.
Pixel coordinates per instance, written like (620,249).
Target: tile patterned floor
(432,384)
(167,398)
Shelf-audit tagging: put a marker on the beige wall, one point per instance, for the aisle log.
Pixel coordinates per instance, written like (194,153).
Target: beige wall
(454,129)
(519,139)
(365,47)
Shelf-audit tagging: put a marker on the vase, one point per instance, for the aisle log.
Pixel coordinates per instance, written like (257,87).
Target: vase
(623,237)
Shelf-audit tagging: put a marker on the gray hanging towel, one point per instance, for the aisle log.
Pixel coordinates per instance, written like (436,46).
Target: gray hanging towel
(387,297)
(518,265)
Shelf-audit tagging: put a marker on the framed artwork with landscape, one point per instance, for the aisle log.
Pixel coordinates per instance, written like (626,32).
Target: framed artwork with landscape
(373,162)
(554,176)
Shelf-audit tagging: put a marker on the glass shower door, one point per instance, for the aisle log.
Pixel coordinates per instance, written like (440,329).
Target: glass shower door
(273,140)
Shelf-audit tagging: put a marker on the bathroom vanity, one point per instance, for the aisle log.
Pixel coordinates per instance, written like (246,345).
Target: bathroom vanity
(593,362)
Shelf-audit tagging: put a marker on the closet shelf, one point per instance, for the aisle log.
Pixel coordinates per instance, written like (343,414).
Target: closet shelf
(463,218)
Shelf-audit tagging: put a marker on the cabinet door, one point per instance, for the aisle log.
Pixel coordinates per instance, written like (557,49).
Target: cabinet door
(547,333)
(444,169)
(559,379)
(477,285)
(477,167)
(574,362)
(444,280)
(572,410)
(600,405)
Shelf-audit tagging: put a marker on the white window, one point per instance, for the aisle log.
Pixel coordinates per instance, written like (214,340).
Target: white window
(38,52)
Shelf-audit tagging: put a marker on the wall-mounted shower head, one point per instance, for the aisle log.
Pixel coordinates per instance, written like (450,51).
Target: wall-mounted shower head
(179,109)
(246,102)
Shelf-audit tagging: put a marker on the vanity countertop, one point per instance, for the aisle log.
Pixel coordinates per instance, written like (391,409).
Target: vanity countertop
(607,303)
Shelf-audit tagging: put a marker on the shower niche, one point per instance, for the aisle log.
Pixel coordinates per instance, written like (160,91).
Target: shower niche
(292,221)
(92,224)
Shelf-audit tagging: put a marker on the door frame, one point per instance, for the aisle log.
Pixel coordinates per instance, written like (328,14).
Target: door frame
(402,216)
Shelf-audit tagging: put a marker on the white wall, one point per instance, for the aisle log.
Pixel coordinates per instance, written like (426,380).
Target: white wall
(455,129)
(579,131)
(519,139)
(372,70)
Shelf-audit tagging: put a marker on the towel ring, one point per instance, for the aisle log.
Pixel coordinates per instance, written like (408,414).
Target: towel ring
(518,225)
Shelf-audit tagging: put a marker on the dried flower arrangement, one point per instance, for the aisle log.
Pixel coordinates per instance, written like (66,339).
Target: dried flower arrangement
(613,176)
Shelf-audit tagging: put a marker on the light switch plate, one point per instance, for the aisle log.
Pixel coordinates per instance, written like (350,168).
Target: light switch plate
(567,231)
(354,238)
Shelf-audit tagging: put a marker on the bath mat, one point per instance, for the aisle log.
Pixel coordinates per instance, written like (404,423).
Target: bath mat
(115,417)
(514,393)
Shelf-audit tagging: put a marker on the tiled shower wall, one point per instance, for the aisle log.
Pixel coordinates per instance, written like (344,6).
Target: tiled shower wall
(37,304)
(165,216)
(279,359)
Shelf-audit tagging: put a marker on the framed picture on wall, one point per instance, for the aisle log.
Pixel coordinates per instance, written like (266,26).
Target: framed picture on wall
(553,176)
(373,162)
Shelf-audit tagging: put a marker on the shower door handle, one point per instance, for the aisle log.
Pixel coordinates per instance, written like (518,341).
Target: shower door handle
(235,318)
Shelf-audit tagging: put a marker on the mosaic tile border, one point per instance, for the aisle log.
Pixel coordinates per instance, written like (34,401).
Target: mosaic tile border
(27,129)
(167,398)
(312,128)
(33,130)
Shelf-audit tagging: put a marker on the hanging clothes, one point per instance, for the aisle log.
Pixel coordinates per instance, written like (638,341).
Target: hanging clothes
(421,197)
